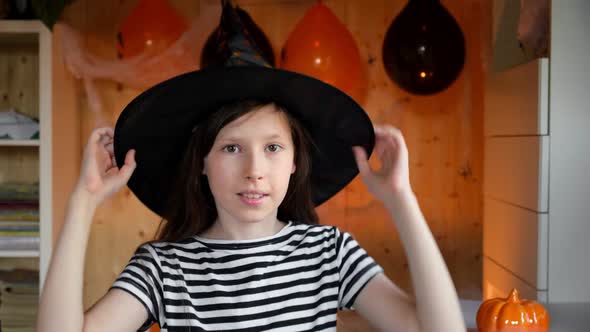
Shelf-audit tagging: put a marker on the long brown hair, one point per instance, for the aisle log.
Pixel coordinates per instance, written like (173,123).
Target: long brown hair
(191,208)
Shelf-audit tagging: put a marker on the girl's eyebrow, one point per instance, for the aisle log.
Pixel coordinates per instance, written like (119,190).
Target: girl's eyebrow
(233,138)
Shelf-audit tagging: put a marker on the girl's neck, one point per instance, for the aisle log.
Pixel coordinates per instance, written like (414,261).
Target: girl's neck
(237,230)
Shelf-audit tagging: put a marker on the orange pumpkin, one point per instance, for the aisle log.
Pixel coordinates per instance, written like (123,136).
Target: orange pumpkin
(512,315)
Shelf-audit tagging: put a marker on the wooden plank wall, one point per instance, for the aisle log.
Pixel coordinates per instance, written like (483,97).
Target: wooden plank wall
(444,134)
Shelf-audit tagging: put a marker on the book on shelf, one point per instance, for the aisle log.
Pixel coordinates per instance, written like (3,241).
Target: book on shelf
(19,216)
(18,225)
(19,243)
(19,235)
(19,192)
(18,232)
(16,206)
(8,214)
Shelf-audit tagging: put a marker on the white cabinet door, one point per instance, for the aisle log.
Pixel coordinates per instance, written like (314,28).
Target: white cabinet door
(516,238)
(517,99)
(498,281)
(516,170)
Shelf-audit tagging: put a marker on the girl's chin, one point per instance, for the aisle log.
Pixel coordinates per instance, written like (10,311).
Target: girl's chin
(253,216)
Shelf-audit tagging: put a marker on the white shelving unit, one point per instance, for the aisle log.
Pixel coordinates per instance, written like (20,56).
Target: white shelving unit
(33,35)
(536,186)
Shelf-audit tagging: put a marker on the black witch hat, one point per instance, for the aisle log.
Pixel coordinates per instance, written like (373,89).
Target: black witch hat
(159,122)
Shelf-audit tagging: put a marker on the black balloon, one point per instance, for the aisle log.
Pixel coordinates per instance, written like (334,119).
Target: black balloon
(215,51)
(424,48)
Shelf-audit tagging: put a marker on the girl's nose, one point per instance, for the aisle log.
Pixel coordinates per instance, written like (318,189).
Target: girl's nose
(254,168)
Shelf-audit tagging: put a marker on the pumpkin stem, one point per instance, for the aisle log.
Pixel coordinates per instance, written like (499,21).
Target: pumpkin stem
(513,297)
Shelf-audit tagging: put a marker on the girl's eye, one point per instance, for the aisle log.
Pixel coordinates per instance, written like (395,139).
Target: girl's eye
(231,148)
(274,148)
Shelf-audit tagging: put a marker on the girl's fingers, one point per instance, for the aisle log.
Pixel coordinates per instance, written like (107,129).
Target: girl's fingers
(99,136)
(124,174)
(390,133)
(110,149)
(380,148)
(389,143)
(100,133)
(127,169)
(360,156)
(384,131)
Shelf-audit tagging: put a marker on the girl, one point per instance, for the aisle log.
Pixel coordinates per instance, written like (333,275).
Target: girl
(242,166)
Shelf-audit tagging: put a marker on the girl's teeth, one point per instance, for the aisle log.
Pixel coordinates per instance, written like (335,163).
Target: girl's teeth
(252,196)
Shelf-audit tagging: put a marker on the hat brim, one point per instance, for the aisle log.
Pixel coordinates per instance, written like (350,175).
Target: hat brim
(158,124)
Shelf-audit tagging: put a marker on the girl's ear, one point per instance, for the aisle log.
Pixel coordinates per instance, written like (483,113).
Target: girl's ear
(293,169)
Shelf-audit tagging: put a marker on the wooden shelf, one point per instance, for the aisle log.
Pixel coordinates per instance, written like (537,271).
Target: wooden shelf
(19,253)
(21,26)
(20,32)
(18,142)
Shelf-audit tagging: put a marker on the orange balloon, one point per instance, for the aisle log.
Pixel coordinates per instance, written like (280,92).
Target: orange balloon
(152,26)
(322,47)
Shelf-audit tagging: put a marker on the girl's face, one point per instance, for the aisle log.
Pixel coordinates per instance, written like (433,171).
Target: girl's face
(249,166)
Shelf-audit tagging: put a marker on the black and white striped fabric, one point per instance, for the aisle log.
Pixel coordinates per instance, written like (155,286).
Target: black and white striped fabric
(295,280)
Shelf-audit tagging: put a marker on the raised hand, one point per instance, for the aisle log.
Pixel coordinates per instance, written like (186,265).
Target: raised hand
(393,178)
(99,176)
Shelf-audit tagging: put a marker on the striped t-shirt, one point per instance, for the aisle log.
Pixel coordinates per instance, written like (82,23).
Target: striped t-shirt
(295,280)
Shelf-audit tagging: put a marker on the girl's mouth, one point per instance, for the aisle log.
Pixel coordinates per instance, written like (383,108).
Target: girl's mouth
(252,198)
